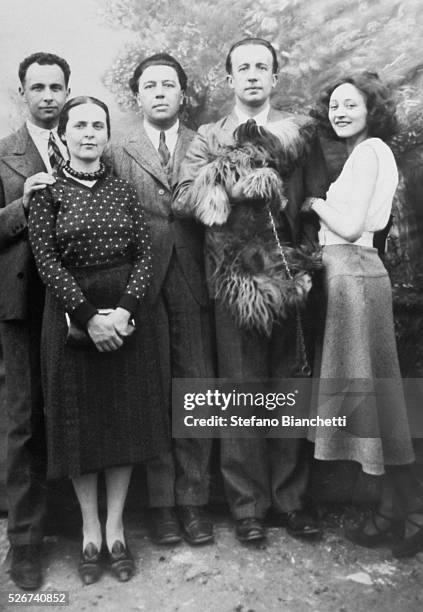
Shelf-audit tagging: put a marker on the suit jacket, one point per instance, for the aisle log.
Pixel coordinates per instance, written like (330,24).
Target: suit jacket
(307,180)
(137,161)
(19,281)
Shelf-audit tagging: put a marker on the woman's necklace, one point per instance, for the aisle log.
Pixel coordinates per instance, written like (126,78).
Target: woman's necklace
(85,176)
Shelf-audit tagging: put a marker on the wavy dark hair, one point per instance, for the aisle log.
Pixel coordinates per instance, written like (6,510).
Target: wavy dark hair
(381,106)
(77,101)
(159,59)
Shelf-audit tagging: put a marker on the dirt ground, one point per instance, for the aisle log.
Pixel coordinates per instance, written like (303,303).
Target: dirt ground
(283,574)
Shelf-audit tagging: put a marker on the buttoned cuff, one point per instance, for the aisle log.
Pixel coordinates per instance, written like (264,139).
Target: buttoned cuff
(83,313)
(128,302)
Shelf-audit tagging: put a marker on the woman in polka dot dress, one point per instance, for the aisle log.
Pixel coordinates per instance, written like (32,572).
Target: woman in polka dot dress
(103,402)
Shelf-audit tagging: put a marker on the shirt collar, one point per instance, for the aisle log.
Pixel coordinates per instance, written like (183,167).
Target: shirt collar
(260,118)
(154,133)
(38,132)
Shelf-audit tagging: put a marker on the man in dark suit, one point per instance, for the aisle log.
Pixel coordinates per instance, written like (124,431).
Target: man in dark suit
(257,473)
(150,159)
(26,160)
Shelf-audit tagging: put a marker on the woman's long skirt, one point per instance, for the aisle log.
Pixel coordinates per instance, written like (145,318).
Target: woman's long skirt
(359,376)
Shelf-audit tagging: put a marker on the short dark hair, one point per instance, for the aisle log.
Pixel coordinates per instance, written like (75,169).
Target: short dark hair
(381,106)
(252,41)
(77,101)
(43,59)
(158,59)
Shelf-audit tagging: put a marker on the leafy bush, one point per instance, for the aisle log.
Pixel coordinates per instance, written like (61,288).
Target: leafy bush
(316,41)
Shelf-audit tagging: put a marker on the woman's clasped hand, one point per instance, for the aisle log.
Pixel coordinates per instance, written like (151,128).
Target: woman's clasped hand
(109,330)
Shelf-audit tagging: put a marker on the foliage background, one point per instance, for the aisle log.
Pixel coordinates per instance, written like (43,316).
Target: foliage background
(316,40)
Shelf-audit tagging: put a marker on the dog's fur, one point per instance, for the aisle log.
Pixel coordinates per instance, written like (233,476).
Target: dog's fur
(247,269)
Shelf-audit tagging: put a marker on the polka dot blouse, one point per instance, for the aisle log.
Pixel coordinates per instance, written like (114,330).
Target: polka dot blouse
(72,225)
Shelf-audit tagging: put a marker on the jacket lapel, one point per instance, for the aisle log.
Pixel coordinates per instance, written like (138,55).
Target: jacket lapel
(185,137)
(141,149)
(275,115)
(25,158)
(231,122)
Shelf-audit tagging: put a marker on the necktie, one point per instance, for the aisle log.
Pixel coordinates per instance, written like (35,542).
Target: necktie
(163,150)
(54,154)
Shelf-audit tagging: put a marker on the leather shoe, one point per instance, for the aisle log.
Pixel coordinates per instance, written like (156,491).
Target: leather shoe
(164,526)
(90,568)
(196,527)
(249,529)
(25,568)
(122,563)
(300,524)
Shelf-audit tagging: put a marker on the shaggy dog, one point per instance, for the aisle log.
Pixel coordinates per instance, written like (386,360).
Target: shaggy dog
(250,270)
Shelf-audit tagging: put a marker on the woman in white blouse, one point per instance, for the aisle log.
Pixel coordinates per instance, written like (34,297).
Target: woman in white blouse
(359,371)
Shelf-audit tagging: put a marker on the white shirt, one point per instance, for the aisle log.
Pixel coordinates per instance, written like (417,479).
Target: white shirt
(341,193)
(171,135)
(260,118)
(41,136)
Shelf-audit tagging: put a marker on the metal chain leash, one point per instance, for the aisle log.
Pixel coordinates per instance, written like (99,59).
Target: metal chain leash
(301,347)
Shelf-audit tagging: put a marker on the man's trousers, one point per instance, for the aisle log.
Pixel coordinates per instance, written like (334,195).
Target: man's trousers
(185,337)
(260,473)
(26,447)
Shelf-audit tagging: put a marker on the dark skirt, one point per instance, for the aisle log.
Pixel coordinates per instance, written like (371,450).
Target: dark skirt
(102,409)
(359,357)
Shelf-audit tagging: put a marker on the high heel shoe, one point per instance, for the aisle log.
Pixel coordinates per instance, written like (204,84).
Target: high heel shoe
(90,568)
(394,531)
(122,563)
(410,546)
